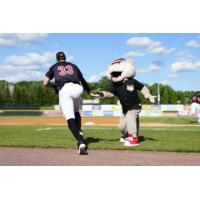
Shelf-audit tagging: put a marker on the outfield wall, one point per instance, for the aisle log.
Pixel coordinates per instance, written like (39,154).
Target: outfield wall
(147,110)
(115,110)
(107,110)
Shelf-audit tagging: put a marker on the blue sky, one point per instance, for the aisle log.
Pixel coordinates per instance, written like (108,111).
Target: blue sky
(172,59)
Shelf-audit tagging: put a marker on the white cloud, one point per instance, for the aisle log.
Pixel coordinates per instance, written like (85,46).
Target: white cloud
(186,55)
(150,69)
(23,76)
(149,45)
(193,44)
(142,42)
(161,50)
(96,77)
(30,59)
(31,37)
(6,42)
(134,54)
(11,39)
(12,69)
(184,65)
(14,73)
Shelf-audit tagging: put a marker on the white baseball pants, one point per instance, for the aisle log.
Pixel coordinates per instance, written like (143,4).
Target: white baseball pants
(195,110)
(70,99)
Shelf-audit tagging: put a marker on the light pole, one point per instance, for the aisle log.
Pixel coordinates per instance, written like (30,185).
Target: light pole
(158,94)
(11,88)
(159,64)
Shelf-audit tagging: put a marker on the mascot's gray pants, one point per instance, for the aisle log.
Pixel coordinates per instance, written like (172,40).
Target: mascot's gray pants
(129,122)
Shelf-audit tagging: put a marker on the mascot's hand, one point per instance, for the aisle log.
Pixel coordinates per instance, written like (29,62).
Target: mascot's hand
(97,94)
(152,99)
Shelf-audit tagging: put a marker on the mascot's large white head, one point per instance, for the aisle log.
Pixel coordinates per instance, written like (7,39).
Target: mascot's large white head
(121,70)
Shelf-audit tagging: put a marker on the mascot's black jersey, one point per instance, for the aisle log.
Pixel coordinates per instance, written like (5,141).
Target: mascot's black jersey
(127,92)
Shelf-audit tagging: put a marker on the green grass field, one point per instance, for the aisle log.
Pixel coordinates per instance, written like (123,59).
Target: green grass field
(173,139)
(171,120)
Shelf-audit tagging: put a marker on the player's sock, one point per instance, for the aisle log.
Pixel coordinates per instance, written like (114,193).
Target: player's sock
(124,134)
(78,119)
(75,130)
(138,125)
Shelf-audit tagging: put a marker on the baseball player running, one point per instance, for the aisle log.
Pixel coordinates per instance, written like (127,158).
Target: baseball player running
(67,83)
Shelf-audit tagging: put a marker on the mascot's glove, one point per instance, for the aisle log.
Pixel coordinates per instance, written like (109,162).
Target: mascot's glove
(152,98)
(98,94)
(145,91)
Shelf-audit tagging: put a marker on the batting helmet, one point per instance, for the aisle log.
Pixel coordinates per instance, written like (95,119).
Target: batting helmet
(60,56)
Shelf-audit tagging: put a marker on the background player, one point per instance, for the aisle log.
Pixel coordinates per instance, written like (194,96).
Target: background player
(195,106)
(67,82)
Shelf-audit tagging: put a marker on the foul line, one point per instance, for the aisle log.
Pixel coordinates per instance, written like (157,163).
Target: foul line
(115,128)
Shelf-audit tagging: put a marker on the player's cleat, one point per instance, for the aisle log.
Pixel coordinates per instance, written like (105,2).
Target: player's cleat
(122,139)
(131,142)
(124,135)
(82,150)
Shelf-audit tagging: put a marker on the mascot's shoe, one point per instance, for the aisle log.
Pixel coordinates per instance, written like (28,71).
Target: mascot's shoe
(131,142)
(82,149)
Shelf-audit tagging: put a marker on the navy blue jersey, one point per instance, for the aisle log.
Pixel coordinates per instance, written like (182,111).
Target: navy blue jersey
(66,72)
(127,92)
(196,98)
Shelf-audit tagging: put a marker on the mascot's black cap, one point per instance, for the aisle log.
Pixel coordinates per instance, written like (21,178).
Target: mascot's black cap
(118,61)
(60,56)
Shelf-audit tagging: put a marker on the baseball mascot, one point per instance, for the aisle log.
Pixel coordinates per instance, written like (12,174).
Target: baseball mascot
(195,106)
(122,72)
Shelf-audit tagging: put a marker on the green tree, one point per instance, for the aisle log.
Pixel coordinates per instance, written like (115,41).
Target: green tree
(34,93)
(173,99)
(164,95)
(21,94)
(104,83)
(5,98)
(181,97)
(188,96)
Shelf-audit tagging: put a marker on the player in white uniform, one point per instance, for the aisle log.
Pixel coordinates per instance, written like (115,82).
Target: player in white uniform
(67,82)
(195,107)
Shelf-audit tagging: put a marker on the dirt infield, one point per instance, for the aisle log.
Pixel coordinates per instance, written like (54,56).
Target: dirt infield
(56,120)
(98,121)
(63,157)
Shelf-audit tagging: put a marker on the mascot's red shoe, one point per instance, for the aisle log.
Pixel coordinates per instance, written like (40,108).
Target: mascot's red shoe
(131,141)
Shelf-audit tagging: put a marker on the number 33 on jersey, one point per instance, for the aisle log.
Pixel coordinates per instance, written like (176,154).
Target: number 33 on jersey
(63,70)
